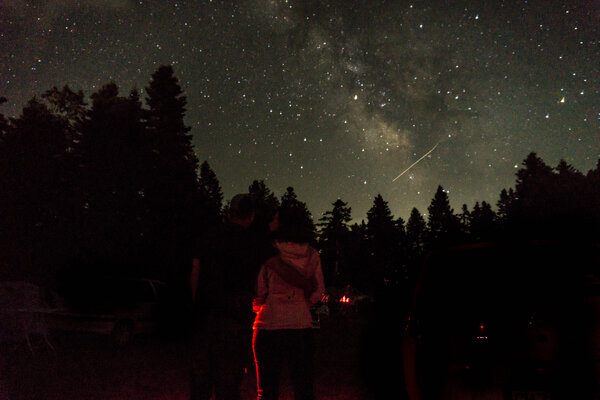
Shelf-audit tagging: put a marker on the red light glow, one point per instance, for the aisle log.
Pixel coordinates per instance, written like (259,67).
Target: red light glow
(345,299)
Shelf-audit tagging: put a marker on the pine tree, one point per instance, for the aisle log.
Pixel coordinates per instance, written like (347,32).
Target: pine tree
(416,232)
(482,221)
(211,195)
(506,205)
(333,239)
(464,219)
(175,197)
(33,166)
(266,204)
(334,224)
(533,190)
(3,120)
(570,185)
(591,199)
(116,156)
(166,120)
(380,221)
(442,223)
(67,104)
(382,239)
(290,200)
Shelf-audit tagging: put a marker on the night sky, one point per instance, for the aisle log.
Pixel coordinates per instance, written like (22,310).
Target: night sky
(337,98)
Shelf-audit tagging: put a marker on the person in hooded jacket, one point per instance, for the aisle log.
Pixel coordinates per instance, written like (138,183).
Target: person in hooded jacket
(283,323)
(224,269)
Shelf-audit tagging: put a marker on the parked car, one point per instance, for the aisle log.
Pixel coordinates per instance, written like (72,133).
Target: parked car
(23,308)
(507,322)
(121,308)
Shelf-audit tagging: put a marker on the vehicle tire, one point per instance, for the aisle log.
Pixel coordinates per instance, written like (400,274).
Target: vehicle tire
(122,333)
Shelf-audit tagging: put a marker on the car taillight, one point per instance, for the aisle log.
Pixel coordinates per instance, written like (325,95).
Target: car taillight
(481,333)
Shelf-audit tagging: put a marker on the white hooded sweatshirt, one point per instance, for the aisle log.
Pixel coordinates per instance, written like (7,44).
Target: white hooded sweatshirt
(279,305)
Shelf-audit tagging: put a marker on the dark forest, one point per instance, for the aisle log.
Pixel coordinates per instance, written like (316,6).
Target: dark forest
(113,186)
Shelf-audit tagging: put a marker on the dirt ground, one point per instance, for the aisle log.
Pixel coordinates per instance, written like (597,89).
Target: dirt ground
(86,367)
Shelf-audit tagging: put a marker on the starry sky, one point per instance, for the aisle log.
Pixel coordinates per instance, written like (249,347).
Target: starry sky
(337,97)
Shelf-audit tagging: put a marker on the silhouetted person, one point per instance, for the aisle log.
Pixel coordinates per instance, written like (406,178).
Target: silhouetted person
(283,325)
(222,281)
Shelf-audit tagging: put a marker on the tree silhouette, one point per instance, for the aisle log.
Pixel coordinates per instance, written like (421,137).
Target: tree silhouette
(175,198)
(117,158)
(211,195)
(533,189)
(35,193)
(67,104)
(266,204)
(443,225)
(3,120)
(482,221)
(591,198)
(382,241)
(165,116)
(114,181)
(506,206)
(290,200)
(333,238)
(416,232)
(569,187)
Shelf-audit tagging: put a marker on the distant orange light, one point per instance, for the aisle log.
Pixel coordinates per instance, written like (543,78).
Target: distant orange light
(345,299)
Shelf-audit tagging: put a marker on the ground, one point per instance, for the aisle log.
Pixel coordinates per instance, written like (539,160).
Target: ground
(86,367)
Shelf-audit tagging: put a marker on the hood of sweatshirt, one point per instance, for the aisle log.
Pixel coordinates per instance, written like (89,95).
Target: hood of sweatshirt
(299,255)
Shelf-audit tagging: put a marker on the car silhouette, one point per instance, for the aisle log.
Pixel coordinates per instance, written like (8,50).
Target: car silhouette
(121,308)
(506,321)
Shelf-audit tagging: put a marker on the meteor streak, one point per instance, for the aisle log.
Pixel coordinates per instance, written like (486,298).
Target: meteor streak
(416,162)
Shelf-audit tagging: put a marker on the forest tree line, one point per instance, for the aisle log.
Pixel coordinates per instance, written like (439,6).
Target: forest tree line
(115,186)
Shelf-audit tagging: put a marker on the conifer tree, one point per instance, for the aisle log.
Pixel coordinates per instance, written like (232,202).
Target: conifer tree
(534,186)
(211,195)
(166,103)
(290,199)
(175,196)
(464,218)
(482,221)
(416,231)
(116,157)
(266,204)
(506,205)
(442,224)
(3,120)
(382,240)
(592,193)
(33,165)
(333,238)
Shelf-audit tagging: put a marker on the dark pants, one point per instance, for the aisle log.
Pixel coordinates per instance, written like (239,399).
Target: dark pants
(274,347)
(218,362)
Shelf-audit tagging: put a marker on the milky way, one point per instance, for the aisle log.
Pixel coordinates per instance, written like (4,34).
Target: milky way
(335,98)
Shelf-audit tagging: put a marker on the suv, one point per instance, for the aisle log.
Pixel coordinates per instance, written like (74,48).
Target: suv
(507,322)
(120,308)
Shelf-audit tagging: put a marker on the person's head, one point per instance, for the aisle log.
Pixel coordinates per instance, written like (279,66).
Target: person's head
(291,224)
(241,210)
